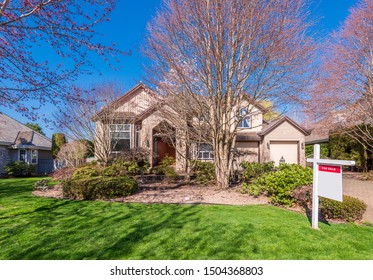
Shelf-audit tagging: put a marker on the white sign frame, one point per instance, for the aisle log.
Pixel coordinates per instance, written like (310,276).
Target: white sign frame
(315,192)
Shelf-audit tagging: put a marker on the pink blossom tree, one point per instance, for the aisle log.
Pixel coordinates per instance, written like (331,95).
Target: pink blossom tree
(342,97)
(66,29)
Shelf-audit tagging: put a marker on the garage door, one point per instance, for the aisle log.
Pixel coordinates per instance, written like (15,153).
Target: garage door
(286,149)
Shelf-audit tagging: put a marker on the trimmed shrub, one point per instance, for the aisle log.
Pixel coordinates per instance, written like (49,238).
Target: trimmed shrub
(166,168)
(205,172)
(167,161)
(252,170)
(19,169)
(170,173)
(85,172)
(253,189)
(351,209)
(42,185)
(280,185)
(120,167)
(99,188)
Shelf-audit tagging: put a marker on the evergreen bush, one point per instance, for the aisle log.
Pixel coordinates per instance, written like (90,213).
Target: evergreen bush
(99,187)
(351,209)
(19,169)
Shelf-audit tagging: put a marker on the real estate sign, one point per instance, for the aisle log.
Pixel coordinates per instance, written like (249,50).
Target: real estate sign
(327,180)
(330,181)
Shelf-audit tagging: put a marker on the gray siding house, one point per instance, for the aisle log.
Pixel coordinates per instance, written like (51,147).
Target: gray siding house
(20,143)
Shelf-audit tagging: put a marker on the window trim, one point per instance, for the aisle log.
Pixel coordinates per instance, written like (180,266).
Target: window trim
(201,151)
(19,155)
(247,119)
(36,156)
(118,130)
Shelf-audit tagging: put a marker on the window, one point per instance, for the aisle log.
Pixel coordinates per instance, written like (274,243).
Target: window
(205,152)
(34,156)
(245,119)
(120,137)
(137,136)
(22,156)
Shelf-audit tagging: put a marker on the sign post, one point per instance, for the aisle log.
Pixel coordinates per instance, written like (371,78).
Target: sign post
(327,181)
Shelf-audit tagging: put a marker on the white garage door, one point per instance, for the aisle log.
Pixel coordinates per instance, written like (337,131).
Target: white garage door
(286,149)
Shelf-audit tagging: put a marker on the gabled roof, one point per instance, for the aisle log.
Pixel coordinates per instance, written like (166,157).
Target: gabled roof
(17,134)
(276,123)
(123,99)
(24,138)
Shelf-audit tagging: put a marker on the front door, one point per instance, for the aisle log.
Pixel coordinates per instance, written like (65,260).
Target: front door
(161,150)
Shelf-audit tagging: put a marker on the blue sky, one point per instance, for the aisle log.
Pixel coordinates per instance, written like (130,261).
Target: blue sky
(127,29)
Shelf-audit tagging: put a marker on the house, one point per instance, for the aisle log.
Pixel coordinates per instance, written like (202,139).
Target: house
(137,122)
(20,143)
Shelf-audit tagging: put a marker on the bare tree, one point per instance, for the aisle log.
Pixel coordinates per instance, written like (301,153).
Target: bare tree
(343,93)
(183,128)
(72,154)
(228,54)
(89,116)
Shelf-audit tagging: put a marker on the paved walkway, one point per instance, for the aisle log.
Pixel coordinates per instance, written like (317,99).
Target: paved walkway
(362,190)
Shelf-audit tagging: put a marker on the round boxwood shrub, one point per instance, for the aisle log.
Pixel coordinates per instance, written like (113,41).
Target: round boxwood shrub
(19,169)
(351,209)
(121,168)
(251,170)
(85,172)
(91,188)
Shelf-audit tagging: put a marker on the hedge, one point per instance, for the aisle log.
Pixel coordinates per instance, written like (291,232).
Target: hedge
(351,209)
(99,187)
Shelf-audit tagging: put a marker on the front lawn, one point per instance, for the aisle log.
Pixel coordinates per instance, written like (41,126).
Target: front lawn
(43,228)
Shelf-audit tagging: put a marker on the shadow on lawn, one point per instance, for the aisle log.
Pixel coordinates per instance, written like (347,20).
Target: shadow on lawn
(81,230)
(322,219)
(13,187)
(44,228)
(170,245)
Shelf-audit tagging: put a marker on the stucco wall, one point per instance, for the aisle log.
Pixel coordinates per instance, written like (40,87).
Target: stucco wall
(284,131)
(246,151)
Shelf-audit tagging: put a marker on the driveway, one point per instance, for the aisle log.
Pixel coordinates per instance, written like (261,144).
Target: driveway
(362,190)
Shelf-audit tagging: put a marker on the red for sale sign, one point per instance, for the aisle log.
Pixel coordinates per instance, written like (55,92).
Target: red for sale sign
(330,168)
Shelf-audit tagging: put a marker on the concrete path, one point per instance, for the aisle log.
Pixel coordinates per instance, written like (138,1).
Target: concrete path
(362,190)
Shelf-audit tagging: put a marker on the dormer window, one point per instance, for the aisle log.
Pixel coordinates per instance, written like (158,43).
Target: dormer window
(245,118)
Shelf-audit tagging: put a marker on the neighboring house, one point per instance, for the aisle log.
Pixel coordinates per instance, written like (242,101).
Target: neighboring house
(20,143)
(137,122)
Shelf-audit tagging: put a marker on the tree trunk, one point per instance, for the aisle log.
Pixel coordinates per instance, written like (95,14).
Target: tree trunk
(222,166)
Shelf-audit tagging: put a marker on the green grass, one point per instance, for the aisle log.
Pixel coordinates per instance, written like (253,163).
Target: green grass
(43,228)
